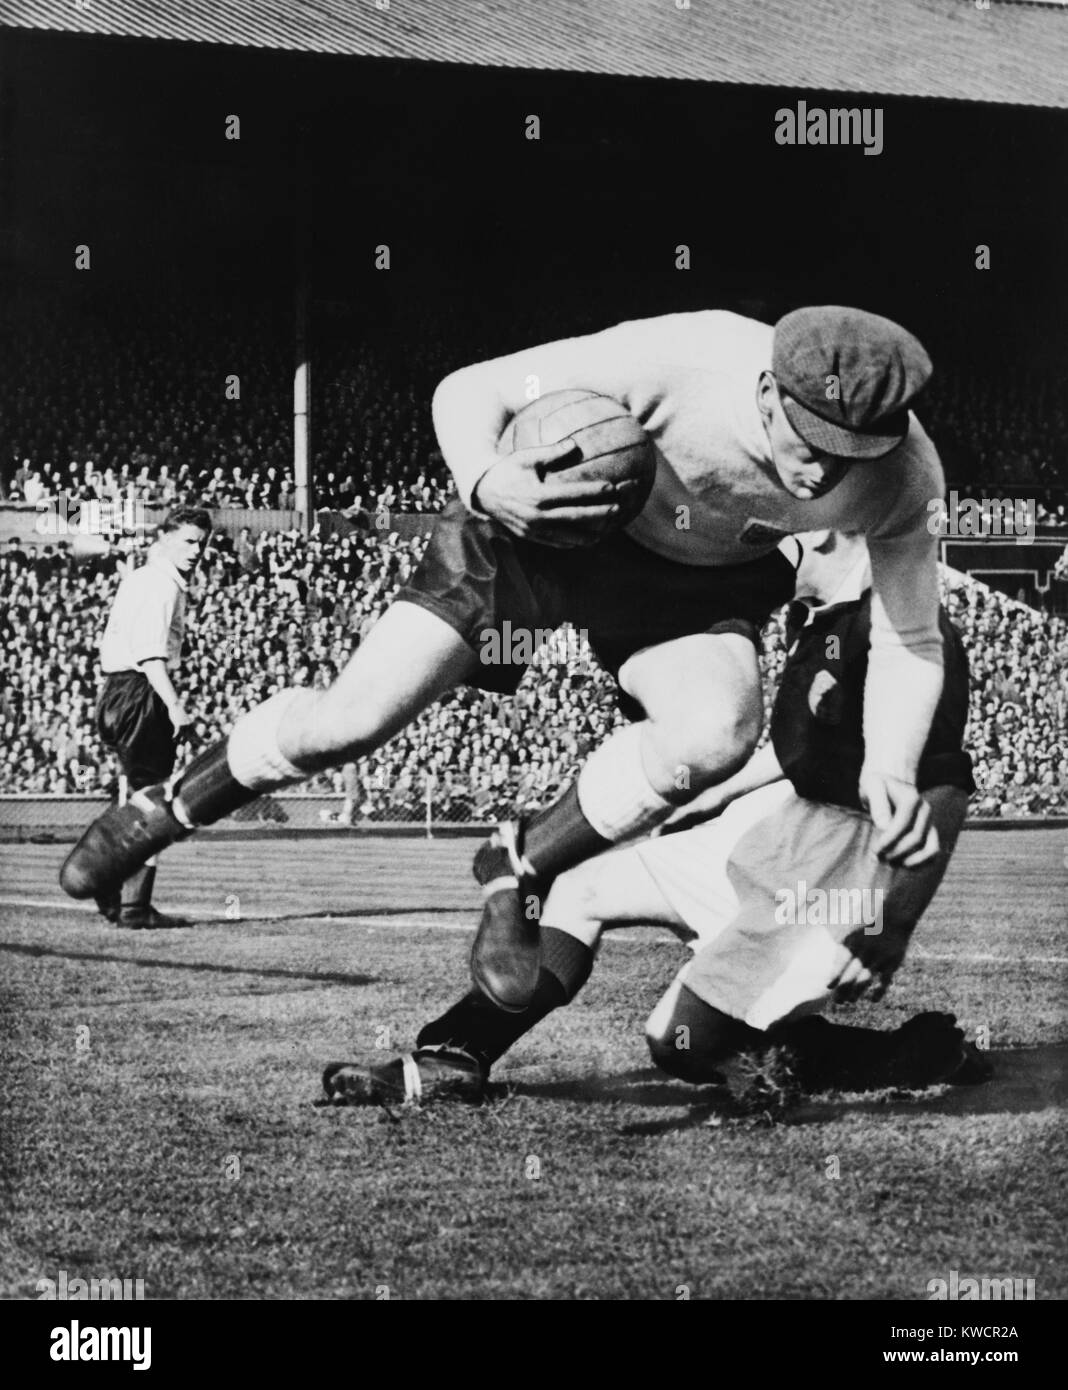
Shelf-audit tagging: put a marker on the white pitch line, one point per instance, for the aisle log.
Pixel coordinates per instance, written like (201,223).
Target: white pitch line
(212,914)
(982,958)
(204,915)
(619,937)
(46,902)
(66,905)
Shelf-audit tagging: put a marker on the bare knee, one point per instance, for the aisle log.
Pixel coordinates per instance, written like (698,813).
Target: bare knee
(703,746)
(702,699)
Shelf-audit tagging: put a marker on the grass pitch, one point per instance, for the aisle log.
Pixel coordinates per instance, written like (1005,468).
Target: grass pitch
(158,1116)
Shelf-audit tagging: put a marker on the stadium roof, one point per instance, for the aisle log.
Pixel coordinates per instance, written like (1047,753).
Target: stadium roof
(1009,52)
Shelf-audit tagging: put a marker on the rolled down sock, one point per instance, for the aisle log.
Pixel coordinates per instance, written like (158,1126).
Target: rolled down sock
(612,800)
(614,790)
(252,750)
(232,773)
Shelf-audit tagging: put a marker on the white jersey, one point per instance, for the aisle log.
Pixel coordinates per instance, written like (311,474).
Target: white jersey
(691,380)
(147,619)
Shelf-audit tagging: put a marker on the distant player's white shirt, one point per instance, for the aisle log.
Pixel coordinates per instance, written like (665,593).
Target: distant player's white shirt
(691,380)
(147,619)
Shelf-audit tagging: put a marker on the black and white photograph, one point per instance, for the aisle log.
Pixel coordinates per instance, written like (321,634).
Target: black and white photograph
(534,664)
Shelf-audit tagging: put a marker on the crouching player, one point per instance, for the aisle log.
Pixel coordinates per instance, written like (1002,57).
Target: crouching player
(772,877)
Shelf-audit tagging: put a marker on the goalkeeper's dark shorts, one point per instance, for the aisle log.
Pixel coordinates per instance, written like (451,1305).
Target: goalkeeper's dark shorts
(491,587)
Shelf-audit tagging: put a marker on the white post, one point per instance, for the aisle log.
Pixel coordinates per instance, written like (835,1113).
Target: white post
(430,780)
(302,404)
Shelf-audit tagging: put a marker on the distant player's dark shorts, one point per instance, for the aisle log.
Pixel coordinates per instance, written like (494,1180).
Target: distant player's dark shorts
(476,576)
(134,725)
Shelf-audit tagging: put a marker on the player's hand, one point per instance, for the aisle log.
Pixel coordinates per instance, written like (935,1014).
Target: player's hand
(906,833)
(179,716)
(872,961)
(526,493)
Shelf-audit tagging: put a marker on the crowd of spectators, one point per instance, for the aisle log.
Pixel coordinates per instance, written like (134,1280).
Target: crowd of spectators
(150,405)
(196,407)
(193,403)
(1018,721)
(279,609)
(266,613)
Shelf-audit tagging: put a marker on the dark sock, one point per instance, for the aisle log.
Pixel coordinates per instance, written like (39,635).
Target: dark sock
(208,790)
(560,836)
(136,895)
(699,1039)
(478,1027)
(834,1056)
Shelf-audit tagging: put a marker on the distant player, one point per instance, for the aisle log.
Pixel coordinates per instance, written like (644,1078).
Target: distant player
(758,432)
(793,832)
(140,713)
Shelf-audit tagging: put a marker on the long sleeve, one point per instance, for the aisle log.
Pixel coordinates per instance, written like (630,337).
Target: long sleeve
(635,362)
(904,679)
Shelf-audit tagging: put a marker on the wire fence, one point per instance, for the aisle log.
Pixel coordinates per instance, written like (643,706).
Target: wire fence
(427,805)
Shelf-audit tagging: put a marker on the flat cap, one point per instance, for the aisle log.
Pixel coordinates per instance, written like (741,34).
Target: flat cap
(849,378)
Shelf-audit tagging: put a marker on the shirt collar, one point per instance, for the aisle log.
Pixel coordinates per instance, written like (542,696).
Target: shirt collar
(854,582)
(169,569)
(854,585)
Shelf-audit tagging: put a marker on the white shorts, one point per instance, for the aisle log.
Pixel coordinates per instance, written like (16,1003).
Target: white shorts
(770,889)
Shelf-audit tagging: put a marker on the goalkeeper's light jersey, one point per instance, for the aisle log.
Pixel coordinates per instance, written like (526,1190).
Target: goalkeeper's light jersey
(691,380)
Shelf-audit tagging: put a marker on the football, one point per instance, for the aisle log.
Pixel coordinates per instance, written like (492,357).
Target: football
(614,446)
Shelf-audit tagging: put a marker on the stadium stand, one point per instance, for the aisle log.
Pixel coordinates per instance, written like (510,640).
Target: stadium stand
(133,405)
(107,405)
(279,609)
